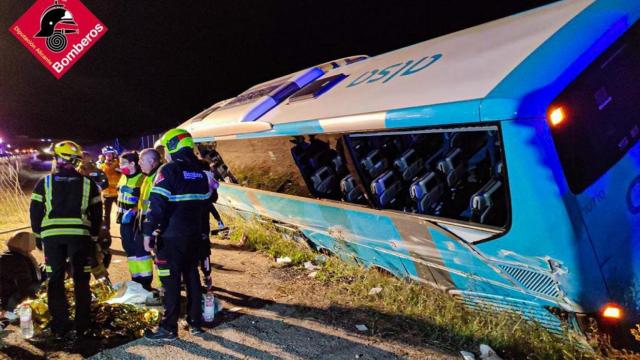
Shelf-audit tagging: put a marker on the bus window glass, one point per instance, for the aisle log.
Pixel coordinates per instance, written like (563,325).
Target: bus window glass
(264,164)
(311,166)
(450,173)
(601,113)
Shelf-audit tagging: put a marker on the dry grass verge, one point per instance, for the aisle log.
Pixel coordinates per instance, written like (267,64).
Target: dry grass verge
(425,314)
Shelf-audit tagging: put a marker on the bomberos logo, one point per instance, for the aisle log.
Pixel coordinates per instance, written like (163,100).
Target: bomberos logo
(58,33)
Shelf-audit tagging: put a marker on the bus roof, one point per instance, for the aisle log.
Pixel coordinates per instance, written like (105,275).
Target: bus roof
(505,69)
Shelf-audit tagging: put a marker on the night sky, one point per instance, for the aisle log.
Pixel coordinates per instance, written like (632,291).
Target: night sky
(162,62)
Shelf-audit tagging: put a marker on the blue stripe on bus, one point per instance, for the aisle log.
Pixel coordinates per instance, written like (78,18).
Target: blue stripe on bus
(288,129)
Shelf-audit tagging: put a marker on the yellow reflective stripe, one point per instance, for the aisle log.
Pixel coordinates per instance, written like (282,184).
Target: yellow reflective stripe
(164,272)
(86,186)
(37,235)
(65,221)
(143,266)
(47,195)
(48,269)
(87,269)
(64,231)
(36,197)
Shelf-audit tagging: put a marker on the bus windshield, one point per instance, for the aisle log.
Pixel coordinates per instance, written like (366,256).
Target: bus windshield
(602,113)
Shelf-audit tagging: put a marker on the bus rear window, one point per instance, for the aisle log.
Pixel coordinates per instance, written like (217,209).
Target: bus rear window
(602,113)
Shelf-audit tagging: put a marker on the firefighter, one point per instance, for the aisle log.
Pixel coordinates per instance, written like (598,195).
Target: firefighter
(89,169)
(139,261)
(110,167)
(102,253)
(66,213)
(180,196)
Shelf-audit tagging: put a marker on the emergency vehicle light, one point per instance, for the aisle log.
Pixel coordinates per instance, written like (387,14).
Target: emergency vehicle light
(557,116)
(612,311)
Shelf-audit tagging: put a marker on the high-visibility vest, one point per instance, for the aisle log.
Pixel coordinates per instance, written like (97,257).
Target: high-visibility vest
(145,193)
(129,192)
(68,220)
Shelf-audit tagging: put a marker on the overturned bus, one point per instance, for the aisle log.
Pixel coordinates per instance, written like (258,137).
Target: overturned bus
(499,163)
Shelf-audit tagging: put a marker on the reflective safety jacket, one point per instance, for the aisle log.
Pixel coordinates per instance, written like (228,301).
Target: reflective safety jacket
(128,196)
(145,192)
(113,177)
(66,203)
(181,193)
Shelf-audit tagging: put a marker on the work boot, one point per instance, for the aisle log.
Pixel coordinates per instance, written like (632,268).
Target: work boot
(161,334)
(196,330)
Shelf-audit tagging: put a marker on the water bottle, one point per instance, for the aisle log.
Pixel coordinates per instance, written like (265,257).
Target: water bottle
(209,307)
(26,323)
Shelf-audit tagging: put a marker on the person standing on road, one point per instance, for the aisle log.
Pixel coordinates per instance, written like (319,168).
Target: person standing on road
(102,253)
(66,213)
(139,261)
(111,168)
(180,196)
(149,164)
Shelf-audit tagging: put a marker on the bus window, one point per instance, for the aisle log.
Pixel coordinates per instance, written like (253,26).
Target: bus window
(597,117)
(321,161)
(451,173)
(217,165)
(311,166)
(317,88)
(264,164)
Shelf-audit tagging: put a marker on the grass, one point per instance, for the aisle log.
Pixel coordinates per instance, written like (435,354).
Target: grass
(264,237)
(425,314)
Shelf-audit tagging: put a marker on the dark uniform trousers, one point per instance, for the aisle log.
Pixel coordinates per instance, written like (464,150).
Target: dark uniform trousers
(178,258)
(133,245)
(56,251)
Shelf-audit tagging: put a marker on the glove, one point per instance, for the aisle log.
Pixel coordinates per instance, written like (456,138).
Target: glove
(39,243)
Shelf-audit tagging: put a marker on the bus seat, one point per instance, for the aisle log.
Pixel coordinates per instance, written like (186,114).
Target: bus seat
(319,159)
(350,190)
(431,163)
(323,181)
(409,165)
(499,169)
(482,202)
(386,188)
(338,165)
(374,164)
(452,167)
(427,192)
(391,146)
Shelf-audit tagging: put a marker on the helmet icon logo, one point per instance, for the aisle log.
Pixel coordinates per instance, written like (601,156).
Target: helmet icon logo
(55,23)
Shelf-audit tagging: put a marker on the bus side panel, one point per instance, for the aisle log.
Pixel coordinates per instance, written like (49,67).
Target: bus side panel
(547,234)
(401,244)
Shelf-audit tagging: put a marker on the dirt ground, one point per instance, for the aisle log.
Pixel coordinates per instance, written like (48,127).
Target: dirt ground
(269,313)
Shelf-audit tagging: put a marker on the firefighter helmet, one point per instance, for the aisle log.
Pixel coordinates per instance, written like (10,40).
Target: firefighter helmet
(176,139)
(56,18)
(68,151)
(109,149)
